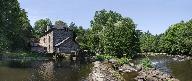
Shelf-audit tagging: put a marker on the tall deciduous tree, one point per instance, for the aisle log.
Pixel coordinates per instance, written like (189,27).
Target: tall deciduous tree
(178,38)
(41,27)
(80,35)
(60,24)
(15,27)
(111,33)
(147,42)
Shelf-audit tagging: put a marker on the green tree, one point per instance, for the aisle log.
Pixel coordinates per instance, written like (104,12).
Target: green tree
(97,24)
(15,27)
(178,38)
(3,42)
(60,24)
(80,35)
(41,27)
(147,41)
(111,33)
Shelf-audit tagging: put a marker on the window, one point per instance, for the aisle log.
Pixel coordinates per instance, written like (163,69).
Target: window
(45,48)
(57,50)
(44,40)
(49,47)
(49,39)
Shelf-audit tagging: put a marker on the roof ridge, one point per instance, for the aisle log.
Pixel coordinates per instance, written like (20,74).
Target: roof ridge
(62,41)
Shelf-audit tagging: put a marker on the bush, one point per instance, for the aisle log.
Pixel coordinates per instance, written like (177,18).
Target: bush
(21,54)
(104,57)
(146,63)
(122,61)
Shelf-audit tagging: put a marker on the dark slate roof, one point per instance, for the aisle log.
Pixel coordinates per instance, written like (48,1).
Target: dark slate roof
(54,27)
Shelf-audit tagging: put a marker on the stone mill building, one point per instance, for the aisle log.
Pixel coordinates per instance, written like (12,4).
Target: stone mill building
(57,39)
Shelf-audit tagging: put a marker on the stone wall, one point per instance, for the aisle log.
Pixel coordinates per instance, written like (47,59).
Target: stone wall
(68,46)
(46,41)
(38,49)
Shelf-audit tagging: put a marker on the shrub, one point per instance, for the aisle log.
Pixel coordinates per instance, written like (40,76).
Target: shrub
(146,63)
(104,57)
(122,61)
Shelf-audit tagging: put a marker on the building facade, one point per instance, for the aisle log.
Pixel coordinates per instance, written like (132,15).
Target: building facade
(57,39)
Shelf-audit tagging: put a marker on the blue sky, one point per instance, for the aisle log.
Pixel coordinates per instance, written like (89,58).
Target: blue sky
(153,15)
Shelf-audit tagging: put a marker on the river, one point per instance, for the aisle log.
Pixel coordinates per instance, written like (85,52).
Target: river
(181,70)
(43,70)
(51,70)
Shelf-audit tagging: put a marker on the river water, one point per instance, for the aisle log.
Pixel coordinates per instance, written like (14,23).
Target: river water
(65,70)
(181,70)
(43,70)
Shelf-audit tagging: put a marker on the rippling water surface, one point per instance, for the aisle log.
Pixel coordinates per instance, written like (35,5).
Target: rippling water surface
(181,70)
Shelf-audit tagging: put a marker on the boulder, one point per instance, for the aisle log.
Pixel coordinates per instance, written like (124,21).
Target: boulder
(126,68)
(131,64)
(138,67)
(154,75)
(113,61)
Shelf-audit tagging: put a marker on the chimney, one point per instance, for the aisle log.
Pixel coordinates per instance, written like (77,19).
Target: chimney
(48,28)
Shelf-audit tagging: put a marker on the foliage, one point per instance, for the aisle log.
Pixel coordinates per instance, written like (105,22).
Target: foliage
(41,26)
(60,23)
(111,33)
(21,54)
(178,39)
(3,42)
(149,42)
(104,57)
(80,35)
(146,63)
(15,28)
(122,61)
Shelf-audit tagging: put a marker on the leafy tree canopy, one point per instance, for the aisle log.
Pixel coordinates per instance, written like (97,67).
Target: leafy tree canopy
(41,27)
(111,33)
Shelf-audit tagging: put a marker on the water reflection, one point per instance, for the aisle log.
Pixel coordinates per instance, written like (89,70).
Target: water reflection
(46,71)
(51,70)
(182,70)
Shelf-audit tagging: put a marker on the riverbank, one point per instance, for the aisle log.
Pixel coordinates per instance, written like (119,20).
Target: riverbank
(174,57)
(21,55)
(153,74)
(104,71)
